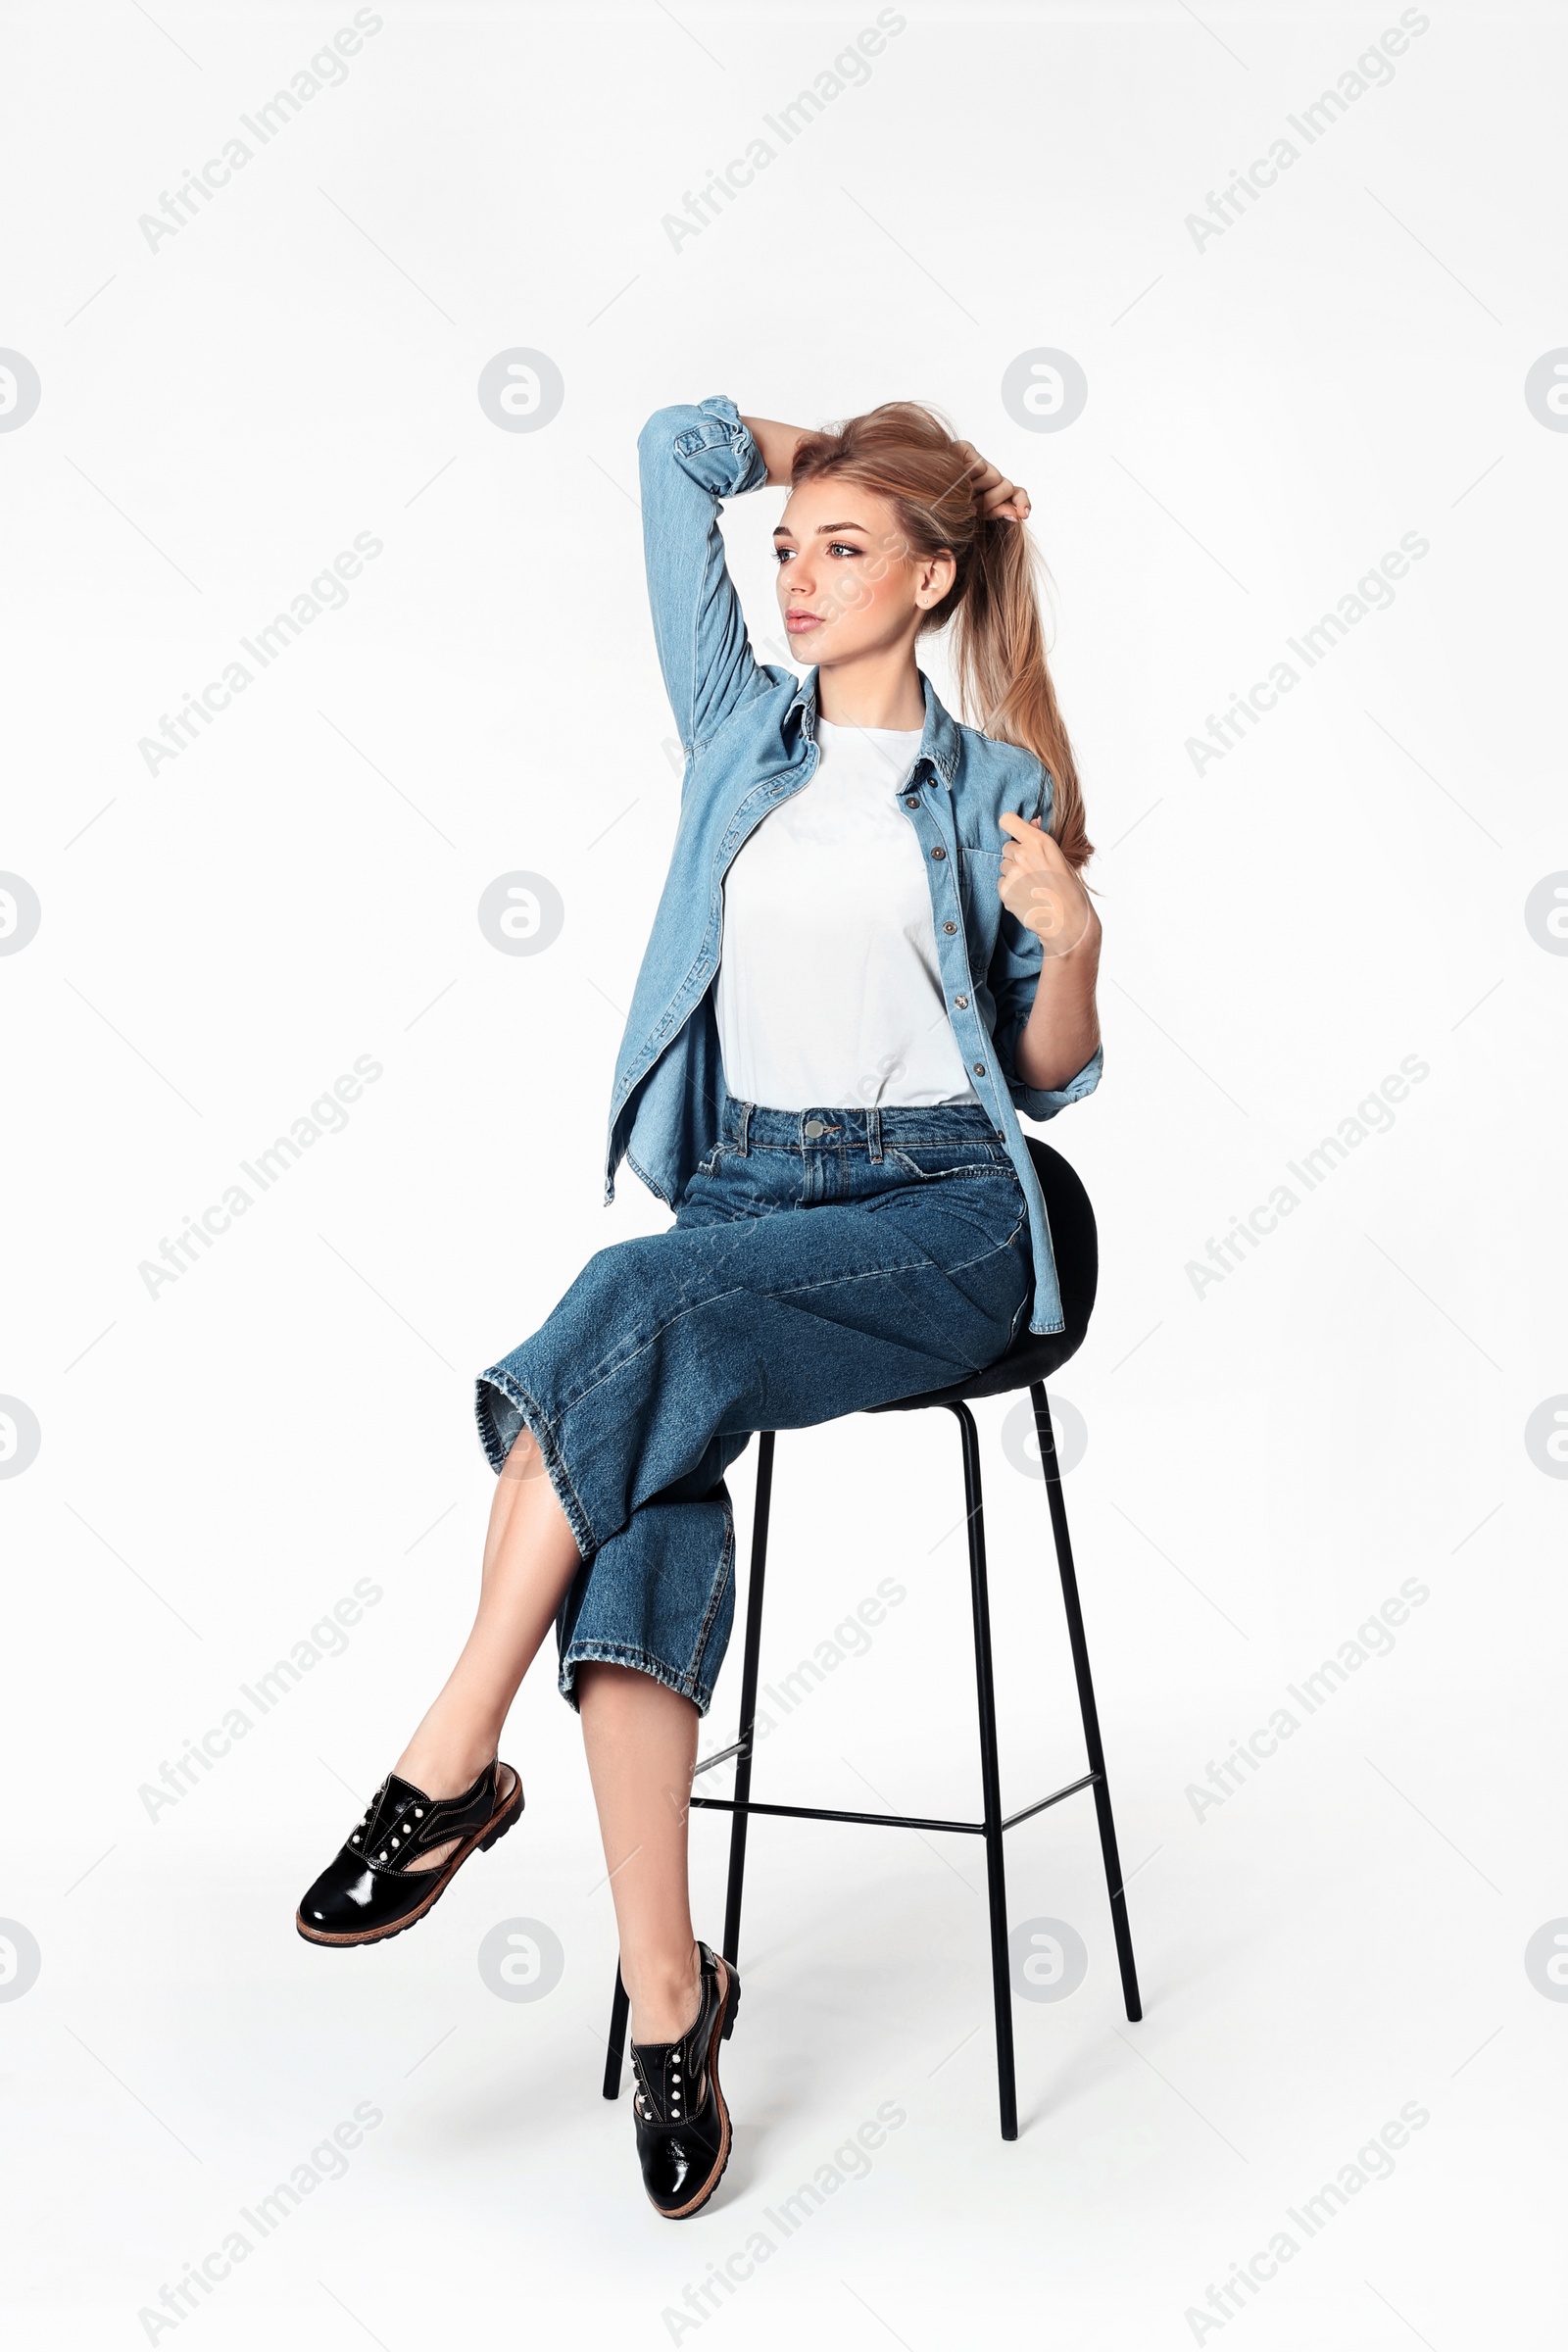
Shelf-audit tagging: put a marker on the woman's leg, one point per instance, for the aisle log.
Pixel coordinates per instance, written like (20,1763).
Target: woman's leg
(530,1556)
(641,1738)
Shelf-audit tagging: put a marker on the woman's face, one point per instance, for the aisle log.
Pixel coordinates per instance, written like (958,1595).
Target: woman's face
(848,584)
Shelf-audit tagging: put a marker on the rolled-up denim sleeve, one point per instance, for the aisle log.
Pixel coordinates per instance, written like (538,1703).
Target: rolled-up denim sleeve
(689,459)
(1011,980)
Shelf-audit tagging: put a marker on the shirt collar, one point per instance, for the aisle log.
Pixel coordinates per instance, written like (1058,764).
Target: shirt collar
(939,738)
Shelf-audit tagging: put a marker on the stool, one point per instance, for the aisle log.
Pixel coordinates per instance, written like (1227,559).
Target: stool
(1026,1365)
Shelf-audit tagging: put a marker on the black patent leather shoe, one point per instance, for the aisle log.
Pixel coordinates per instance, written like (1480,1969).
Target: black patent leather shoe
(370,1890)
(683,2122)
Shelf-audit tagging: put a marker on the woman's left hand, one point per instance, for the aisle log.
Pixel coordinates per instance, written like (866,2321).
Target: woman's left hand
(1039,886)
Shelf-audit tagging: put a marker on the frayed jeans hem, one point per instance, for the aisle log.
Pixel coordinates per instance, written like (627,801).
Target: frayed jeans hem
(531,1414)
(625,1653)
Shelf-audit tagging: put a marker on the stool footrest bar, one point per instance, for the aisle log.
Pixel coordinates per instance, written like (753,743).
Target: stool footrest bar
(723,1756)
(1071,1790)
(890,1821)
(883,1821)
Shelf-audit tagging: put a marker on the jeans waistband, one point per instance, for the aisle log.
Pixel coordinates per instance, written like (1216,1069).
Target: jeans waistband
(831,1127)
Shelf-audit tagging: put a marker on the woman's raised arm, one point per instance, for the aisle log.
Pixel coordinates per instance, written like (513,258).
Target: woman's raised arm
(690,459)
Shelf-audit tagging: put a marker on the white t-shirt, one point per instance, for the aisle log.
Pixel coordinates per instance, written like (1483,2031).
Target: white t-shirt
(829,993)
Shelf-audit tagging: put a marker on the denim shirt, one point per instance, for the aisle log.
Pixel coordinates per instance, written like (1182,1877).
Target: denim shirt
(749,730)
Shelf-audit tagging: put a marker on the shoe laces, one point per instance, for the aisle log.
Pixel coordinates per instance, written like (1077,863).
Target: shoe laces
(401,1837)
(679,2072)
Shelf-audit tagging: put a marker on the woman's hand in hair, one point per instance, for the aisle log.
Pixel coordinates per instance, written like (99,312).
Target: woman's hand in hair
(1039,886)
(777,444)
(1001,501)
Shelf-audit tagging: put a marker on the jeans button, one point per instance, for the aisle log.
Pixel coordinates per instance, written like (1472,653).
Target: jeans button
(815,1127)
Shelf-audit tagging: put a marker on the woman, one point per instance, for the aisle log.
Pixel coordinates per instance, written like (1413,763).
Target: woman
(873,951)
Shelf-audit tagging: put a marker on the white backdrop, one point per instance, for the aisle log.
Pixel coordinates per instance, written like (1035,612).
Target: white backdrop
(236,386)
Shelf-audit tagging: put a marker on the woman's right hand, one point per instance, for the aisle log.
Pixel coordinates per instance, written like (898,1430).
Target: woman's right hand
(777,444)
(1001,501)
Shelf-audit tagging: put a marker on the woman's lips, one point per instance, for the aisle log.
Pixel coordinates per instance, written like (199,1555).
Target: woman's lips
(796,623)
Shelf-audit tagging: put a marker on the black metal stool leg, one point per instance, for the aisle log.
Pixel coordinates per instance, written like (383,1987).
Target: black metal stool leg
(990,1775)
(1086,1699)
(749,1672)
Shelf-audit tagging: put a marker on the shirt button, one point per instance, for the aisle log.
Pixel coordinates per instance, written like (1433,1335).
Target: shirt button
(949,926)
(962,1002)
(912,800)
(939,851)
(815,1127)
(979,1069)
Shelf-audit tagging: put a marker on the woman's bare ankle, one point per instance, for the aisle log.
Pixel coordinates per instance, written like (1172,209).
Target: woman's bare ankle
(666,1996)
(442,1762)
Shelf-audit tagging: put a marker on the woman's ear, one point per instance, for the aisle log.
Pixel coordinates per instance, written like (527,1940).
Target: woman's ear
(934,578)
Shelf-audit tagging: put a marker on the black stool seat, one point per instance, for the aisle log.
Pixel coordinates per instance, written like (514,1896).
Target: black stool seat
(1025,1365)
(1035,1355)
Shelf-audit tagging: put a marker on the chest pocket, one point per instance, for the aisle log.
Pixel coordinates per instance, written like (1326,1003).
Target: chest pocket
(979,873)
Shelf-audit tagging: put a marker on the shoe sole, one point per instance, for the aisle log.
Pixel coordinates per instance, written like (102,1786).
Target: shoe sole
(500,1821)
(723,2026)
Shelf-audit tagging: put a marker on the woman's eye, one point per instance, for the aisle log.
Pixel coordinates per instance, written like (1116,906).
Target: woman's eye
(783,553)
(837,546)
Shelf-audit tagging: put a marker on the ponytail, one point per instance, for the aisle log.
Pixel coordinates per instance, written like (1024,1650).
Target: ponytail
(1004,676)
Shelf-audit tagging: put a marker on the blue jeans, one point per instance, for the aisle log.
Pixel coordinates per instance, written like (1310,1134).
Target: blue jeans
(819,1262)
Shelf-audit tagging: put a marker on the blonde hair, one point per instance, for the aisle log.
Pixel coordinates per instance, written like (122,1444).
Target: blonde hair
(905,453)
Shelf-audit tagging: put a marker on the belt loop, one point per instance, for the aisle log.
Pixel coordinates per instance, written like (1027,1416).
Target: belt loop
(746,1120)
(873,1130)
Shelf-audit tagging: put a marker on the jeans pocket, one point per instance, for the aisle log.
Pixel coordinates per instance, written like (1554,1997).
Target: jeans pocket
(966,1156)
(703,1188)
